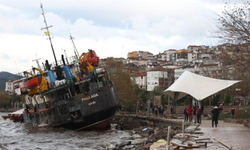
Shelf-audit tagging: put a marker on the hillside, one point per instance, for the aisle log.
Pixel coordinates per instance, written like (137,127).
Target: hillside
(4,77)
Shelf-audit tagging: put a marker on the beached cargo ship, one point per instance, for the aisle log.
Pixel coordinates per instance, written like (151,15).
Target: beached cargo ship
(78,95)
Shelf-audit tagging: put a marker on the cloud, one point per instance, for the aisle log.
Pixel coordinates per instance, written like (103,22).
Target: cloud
(4,56)
(111,27)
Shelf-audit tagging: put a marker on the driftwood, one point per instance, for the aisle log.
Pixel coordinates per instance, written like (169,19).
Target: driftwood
(185,136)
(224,144)
(185,145)
(193,132)
(204,141)
(181,138)
(192,136)
(200,139)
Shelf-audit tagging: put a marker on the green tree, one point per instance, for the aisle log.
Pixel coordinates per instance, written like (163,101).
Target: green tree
(125,89)
(215,99)
(143,95)
(227,99)
(4,99)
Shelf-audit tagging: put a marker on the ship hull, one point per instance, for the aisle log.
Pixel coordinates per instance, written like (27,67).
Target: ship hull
(93,120)
(98,121)
(91,110)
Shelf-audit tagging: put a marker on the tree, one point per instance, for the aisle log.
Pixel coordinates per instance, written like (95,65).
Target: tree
(143,95)
(234,27)
(234,24)
(125,89)
(4,99)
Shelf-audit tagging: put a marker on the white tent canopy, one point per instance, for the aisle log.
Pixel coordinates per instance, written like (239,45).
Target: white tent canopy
(197,86)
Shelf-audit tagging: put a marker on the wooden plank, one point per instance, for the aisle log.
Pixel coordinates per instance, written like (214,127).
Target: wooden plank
(185,146)
(202,139)
(224,144)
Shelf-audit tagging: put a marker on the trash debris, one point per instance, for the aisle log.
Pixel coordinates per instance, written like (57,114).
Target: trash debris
(145,129)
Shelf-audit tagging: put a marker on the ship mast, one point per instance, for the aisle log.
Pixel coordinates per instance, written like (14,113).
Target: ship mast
(48,33)
(37,62)
(75,50)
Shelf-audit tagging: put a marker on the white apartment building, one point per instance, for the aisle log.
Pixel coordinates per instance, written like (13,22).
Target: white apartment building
(14,86)
(9,87)
(155,77)
(168,54)
(141,80)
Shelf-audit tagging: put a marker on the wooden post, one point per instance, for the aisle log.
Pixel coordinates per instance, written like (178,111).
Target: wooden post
(148,110)
(137,107)
(183,128)
(168,138)
(210,103)
(176,94)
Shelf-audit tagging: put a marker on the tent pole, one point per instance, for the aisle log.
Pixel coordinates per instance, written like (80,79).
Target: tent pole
(176,94)
(210,99)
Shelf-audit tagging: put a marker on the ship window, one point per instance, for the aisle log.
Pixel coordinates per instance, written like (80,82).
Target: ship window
(64,94)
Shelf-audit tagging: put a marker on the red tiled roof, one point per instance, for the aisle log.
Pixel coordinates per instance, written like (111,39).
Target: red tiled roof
(142,74)
(159,69)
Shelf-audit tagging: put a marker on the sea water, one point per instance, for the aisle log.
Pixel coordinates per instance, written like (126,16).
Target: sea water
(18,136)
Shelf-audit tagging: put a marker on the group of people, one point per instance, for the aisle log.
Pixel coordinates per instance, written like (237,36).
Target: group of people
(158,110)
(193,113)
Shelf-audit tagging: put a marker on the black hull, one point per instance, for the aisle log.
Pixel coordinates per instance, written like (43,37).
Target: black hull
(98,121)
(92,110)
(93,120)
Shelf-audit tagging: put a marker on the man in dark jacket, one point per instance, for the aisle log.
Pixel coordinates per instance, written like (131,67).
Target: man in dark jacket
(185,115)
(215,114)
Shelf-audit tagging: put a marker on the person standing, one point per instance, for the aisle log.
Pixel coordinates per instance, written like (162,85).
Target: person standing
(185,114)
(190,113)
(215,115)
(195,114)
(202,109)
(232,112)
(172,110)
(198,115)
(162,110)
(156,111)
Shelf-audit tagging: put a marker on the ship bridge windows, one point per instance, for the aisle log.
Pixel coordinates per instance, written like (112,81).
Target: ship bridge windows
(95,83)
(64,94)
(98,82)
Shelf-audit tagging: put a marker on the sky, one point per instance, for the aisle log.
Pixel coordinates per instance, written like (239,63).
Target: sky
(112,28)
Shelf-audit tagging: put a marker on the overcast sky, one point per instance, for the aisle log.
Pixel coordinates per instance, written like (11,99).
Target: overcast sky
(110,27)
